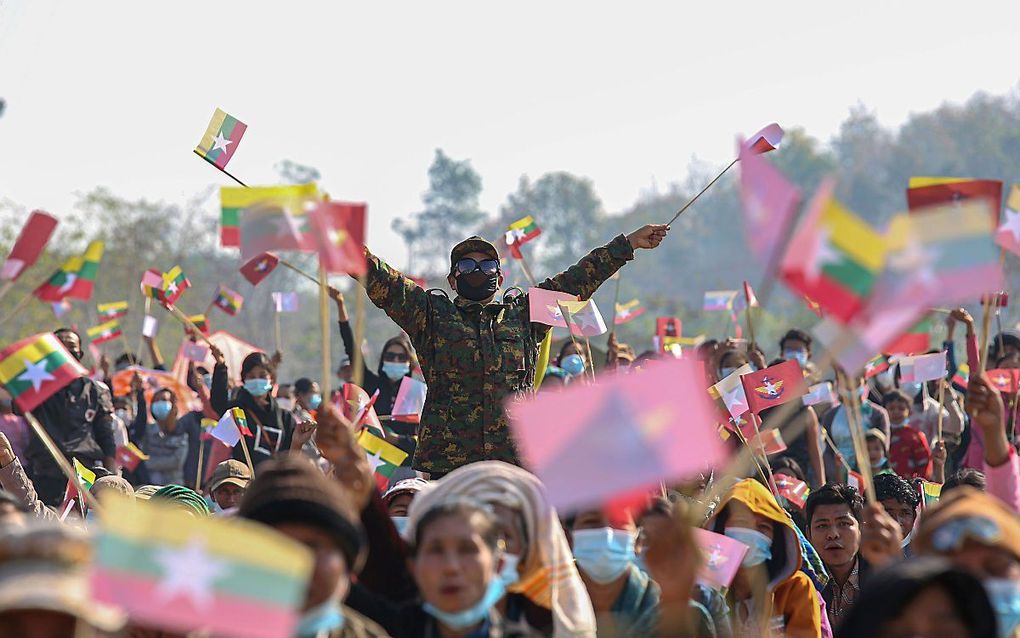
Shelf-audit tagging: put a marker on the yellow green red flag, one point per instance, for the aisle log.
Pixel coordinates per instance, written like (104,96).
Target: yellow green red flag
(34,368)
(75,278)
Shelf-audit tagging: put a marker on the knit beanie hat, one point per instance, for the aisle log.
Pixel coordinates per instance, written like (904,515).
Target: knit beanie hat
(289,489)
(185,497)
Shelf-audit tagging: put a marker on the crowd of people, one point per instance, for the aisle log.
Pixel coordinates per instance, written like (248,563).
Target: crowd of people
(463,541)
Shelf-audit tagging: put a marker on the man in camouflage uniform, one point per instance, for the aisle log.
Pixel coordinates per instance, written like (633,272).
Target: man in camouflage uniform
(475,351)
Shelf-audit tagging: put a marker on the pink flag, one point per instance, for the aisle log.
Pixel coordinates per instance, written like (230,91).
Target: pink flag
(792,489)
(769,202)
(925,367)
(722,556)
(410,400)
(335,227)
(30,243)
(543,308)
(195,352)
(622,433)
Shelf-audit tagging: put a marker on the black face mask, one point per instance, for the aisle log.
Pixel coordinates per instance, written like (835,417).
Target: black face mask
(476,286)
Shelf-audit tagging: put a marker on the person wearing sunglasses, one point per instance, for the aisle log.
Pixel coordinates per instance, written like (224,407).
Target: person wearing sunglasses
(477,350)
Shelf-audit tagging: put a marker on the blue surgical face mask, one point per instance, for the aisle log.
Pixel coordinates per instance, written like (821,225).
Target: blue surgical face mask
(395,369)
(161,409)
(509,573)
(880,462)
(573,364)
(400,522)
(322,618)
(258,387)
(605,553)
(1004,595)
(207,380)
(473,614)
(725,372)
(759,545)
(912,389)
(797,355)
(315,401)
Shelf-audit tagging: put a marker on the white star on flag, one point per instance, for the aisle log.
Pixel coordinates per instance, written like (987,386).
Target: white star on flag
(189,571)
(69,282)
(1012,224)
(220,142)
(823,254)
(734,399)
(36,373)
(375,460)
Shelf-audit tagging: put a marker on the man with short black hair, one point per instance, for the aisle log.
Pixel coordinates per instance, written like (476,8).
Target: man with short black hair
(796,345)
(964,476)
(900,500)
(834,529)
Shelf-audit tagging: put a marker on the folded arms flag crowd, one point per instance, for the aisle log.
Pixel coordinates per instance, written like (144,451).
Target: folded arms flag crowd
(480,481)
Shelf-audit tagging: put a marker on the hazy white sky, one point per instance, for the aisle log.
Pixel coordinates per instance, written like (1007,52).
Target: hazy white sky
(117,93)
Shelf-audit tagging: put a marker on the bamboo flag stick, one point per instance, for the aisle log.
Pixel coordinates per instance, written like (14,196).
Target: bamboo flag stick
(754,455)
(747,313)
(324,382)
(276,330)
(942,394)
(835,450)
(986,328)
(183,318)
(247,455)
(357,363)
(299,271)
(527,269)
(198,471)
(695,198)
(566,319)
(853,408)
(18,308)
(141,333)
(61,460)
(591,360)
(764,455)
(4,289)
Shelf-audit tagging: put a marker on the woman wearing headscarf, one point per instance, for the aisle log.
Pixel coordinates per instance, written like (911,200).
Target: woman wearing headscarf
(396,361)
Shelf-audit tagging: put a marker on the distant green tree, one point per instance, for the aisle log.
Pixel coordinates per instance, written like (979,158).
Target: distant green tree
(451,213)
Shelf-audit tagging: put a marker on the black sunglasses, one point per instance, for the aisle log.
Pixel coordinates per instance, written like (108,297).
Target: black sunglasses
(468,265)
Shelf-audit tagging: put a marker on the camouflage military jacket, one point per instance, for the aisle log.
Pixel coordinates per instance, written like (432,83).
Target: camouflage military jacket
(476,357)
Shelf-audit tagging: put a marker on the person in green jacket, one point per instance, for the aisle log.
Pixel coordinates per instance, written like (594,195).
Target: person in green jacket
(477,351)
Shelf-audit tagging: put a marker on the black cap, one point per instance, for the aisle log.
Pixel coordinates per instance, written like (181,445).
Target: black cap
(470,245)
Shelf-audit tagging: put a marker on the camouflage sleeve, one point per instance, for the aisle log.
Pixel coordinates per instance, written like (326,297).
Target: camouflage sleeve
(400,298)
(585,277)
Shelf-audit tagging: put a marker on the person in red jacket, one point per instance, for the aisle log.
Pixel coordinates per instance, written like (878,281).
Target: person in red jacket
(909,453)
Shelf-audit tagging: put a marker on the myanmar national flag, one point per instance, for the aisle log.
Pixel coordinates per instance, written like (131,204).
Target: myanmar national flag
(521,232)
(105,332)
(384,457)
(834,257)
(235,199)
(930,492)
(75,278)
(877,365)
(112,310)
(916,340)
(168,569)
(228,301)
(85,475)
(926,192)
(719,300)
(34,368)
(221,139)
(628,311)
(175,282)
(1008,234)
(962,377)
(200,322)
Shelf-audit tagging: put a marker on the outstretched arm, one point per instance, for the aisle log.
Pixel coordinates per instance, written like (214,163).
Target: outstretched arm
(585,277)
(401,299)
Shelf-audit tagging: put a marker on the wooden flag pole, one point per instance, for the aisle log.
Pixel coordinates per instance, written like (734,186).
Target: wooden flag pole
(754,454)
(222,170)
(591,361)
(853,408)
(986,328)
(183,318)
(566,320)
(324,382)
(198,471)
(695,198)
(276,330)
(18,308)
(747,314)
(247,455)
(526,269)
(942,394)
(357,363)
(299,271)
(4,289)
(835,450)
(61,460)
(616,300)
(141,333)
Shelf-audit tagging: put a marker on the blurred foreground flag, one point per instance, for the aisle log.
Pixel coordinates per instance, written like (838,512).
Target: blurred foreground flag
(221,139)
(169,569)
(623,433)
(925,192)
(543,306)
(769,203)
(1008,234)
(722,556)
(336,228)
(233,200)
(834,257)
(29,245)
